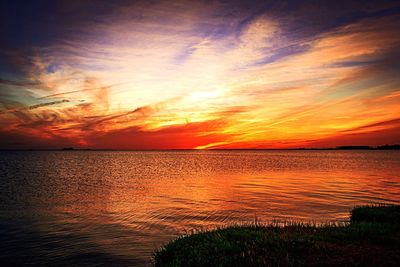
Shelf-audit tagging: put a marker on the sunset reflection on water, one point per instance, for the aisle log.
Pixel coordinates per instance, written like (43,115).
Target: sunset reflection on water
(123,205)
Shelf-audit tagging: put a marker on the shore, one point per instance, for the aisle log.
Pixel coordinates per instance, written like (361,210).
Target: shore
(370,238)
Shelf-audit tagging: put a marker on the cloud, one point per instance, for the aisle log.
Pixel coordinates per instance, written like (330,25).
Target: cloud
(395,123)
(185,136)
(226,75)
(38,105)
(18,83)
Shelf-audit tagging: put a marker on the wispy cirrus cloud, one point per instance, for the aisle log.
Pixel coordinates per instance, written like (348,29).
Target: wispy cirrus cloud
(271,75)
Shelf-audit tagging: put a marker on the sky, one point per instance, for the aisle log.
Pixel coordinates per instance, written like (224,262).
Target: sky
(199,74)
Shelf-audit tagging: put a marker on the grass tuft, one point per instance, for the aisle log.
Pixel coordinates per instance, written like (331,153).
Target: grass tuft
(376,213)
(371,238)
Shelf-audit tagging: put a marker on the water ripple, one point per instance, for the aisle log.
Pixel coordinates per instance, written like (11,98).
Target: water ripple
(103,208)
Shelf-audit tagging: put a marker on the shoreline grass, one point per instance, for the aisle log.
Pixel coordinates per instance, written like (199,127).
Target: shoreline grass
(370,238)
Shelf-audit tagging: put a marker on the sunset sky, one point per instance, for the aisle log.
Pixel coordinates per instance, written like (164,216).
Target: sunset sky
(199,74)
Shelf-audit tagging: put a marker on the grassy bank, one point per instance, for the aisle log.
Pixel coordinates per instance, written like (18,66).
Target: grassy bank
(371,238)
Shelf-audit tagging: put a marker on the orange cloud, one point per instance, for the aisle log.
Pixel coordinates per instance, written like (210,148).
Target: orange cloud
(136,83)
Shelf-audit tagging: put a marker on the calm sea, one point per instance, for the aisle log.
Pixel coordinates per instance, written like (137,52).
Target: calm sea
(107,208)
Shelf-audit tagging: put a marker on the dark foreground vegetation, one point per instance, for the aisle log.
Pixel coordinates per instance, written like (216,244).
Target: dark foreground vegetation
(371,238)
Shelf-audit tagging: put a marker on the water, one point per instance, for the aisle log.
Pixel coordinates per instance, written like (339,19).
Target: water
(108,208)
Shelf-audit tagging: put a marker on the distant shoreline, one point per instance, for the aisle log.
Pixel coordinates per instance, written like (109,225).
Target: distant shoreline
(383,147)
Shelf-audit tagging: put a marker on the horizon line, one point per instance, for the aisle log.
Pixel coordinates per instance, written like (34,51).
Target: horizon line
(350,147)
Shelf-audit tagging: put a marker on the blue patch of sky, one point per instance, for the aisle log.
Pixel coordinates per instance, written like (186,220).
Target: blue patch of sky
(51,68)
(283,52)
(184,54)
(216,33)
(325,17)
(39,23)
(9,71)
